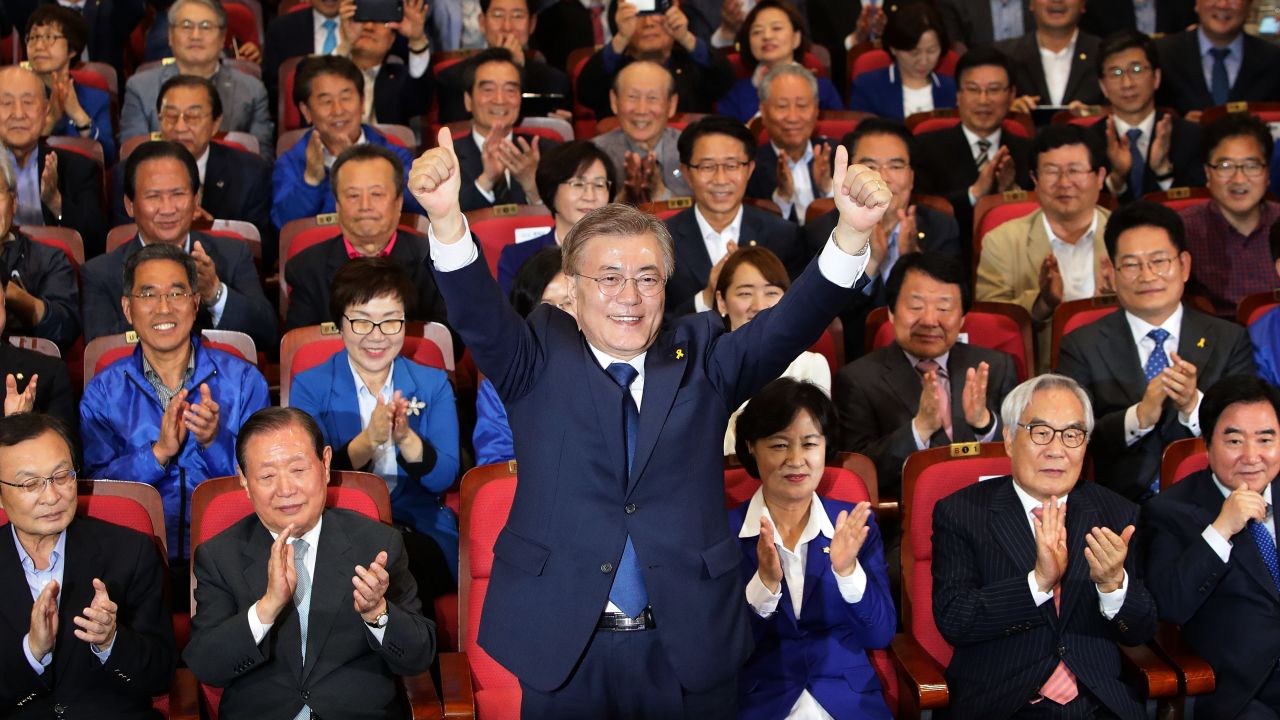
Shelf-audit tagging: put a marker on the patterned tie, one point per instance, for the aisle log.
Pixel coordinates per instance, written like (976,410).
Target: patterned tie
(1158,360)
(1267,548)
(1061,686)
(628,591)
(1138,164)
(984,146)
(302,600)
(330,37)
(944,399)
(1220,82)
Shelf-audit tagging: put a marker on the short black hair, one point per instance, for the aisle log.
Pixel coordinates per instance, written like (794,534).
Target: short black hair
(277,418)
(494,54)
(158,251)
(1232,390)
(743,40)
(715,125)
(191,81)
(315,65)
(484,5)
(1052,137)
(1275,244)
(879,126)
(21,427)
(906,26)
(561,163)
(1116,43)
(367,151)
(365,278)
(774,408)
(1235,124)
(982,56)
(943,268)
(1144,213)
(72,24)
(159,150)
(532,279)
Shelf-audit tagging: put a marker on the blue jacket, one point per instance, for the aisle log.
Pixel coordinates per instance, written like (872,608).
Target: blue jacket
(514,257)
(492,436)
(97,105)
(328,393)
(120,420)
(825,651)
(293,198)
(1265,334)
(742,102)
(880,92)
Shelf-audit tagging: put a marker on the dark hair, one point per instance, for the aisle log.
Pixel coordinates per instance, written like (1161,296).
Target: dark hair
(1116,43)
(158,251)
(561,163)
(715,125)
(367,151)
(943,268)
(1052,137)
(484,57)
(759,257)
(906,26)
(277,418)
(159,150)
(743,40)
(1232,390)
(21,427)
(1275,244)
(532,279)
(982,56)
(879,126)
(191,81)
(365,278)
(73,25)
(1235,124)
(484,5)
(314,66)
(1144,213)
(774,408)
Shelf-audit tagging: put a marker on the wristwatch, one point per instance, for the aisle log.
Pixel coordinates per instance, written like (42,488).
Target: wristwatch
(378,622)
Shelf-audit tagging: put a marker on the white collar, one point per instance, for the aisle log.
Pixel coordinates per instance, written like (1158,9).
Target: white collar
(1146,125)
(804,159)
(973,137)
(1087,238)
(28,563)
(605,360)
(941,360)
(1067,50)
(1139,327)
(319,20)
(312,536)
(818,520)
(734,227)
(388,386)
(1226,491)
(329,157)
(480,139)
(1029,503)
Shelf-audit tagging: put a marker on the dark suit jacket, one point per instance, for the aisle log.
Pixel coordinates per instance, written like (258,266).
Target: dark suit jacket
(1006,646)
(348,673)
(551,580)
(80,182)
(1103,358)
(693,264)
(969,21)
(1028,71)
(764,179)
(537,77)
(399,97)
(1229,612)
(53,389)
(247,308)
(46,273)
(563,26)
(110,24)
(142,656)
(878,395)
(310,274)
(472,163)
(1182,83)
(1184,153)
(1112,16)
(699,86)
(288,35)
(830,21)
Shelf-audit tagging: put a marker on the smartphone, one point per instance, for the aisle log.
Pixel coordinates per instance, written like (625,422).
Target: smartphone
(383,11)
(1269,26)
(652,7)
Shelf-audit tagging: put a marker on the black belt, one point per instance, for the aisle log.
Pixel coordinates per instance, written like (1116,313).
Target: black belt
(620,622)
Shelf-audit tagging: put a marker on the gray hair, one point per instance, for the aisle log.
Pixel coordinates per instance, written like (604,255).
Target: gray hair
(790,68)
(7,171)
(616,219)
(213,5)
(671,80)
(1016,402)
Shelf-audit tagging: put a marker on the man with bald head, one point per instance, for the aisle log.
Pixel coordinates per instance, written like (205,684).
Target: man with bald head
(643,147)
(55,187)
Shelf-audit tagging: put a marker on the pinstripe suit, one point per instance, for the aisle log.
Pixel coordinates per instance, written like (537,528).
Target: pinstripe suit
(1005,645)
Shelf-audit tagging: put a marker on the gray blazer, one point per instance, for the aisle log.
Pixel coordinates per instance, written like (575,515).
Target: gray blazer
(244,104)
(616,144)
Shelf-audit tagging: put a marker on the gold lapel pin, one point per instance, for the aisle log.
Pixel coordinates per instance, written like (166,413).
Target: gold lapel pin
(679,354)
(19,376)
(826,550)
(1083,56)
(1201,343)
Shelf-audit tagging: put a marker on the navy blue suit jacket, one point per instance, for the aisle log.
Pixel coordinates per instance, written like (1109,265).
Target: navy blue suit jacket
(575,505)
(471,161)
(880,92)
(514,257)
(835,634)
(764,178)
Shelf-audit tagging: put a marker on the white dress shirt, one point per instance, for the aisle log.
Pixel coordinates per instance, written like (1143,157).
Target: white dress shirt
(384,455)
(803,192)
(1075,260)
(321,33)
(488,194)
(1139,328)
(1147,126)
(330,158)
(915,100)
(202,163)
(942,360)
(1222,546)
(216,309)
(1057,69)
(715,242)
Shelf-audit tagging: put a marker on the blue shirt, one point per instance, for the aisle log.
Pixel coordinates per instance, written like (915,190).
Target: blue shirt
(1232,61)
(1006,19)
(36,582)
(30,211)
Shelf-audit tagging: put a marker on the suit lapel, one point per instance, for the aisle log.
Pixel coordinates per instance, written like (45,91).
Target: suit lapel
(957,365)
(901,379)
(81,562)
(254,557)
(1125,365)
(344,406)
(1208,503)
(691,251)
(1195,341)
(818,561)
(1032,49)
(15,608)
(1011,528)
(606,398)
(1189,55)
(1080,70)
(662,374)
(215,173)
(329,588)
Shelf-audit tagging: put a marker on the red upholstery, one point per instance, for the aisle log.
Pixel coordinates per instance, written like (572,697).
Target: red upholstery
(1080,319)
(1192,464)
(419,350)
(584,118)
(497,691)
(241,24)
(116,353)
(290,117)
(1002,214)
(1182,458)
(496,232)
(810,61)
(122,511)
(837,483)
(90,77)
(1254,306)
(934,124)
(988,330)
(65,239)
(871,61)
(311,236)
(826,347)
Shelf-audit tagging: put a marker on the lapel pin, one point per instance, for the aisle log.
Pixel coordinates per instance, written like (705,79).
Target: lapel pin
(826,550)
(19,376)
(1201,343)
(679,353)
(220,183)
(920,235)
(1084,56)
(415,406)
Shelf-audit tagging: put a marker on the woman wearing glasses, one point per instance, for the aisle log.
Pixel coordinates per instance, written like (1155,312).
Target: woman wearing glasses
(574,178)
(385,414)
(55,38)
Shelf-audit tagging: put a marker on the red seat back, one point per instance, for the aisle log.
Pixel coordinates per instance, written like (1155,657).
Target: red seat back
(871,61)
(241,24)
(988,330)
(1080,319)
(1002,214)
(496,228)
(837,483)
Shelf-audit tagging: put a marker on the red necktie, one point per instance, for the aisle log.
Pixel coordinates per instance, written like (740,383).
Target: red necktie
(1061,686)
(597,25)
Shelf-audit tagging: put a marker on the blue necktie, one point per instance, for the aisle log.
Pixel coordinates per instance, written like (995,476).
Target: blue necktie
(1220,85)
(1267,547)
(628,591)
(331,36)
(1158,360)
(1138,165)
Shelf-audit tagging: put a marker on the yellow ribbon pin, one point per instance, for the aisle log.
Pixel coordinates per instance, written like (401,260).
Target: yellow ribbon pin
(680,353)
(1201,343)
(826,550)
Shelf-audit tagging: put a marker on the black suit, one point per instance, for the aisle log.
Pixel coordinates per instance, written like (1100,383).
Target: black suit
(1104,17)
(247,308)
(1028,71)
(563,26)
(310,273)
(1006,646)
(293,35)
(1229,612)
(110,24)
(1183,86)
(693,264)
(1103,358)
(398,97)
(45,273)
(53,389)
(81,185)
(764,179)
(1184,153)
(77,684)
(699,87)
(537,77)
(348,673)
(472,163)
(970,22)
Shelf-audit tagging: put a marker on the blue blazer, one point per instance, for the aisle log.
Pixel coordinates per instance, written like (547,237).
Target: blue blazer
(742,102)
(514,257)
(825,650)
(328,393)
(880,92)
(492,436)
(97,104)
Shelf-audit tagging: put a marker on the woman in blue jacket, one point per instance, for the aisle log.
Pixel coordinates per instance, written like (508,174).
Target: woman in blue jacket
(813,568)
(383,413)
(916,39)
(55,38)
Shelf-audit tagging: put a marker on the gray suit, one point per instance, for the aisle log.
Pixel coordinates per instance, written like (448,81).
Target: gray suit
(244,104)
(616,145)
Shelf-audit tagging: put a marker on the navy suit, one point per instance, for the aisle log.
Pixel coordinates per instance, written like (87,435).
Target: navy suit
(1028,70)
(53,389)
(1184,153)
(1229,612)
(472,163)
(1006,646)
(764,178)
(824,651)
(1111,16)
(514,257)
(1182,83)
(80,183)
(880,92)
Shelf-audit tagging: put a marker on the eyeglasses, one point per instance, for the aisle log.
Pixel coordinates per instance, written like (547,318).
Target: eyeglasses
(1226,169)
(611,284)
(709,168)
(171,116)
(203,26)
(1134,71)
(1159,266)
(1041,434)
(579,187)
(361,326)
(44,38)
(992,90)
(152,299)
(1053,174)
(36,485)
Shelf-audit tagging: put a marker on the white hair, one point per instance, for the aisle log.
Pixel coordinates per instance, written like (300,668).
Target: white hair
(1016,402)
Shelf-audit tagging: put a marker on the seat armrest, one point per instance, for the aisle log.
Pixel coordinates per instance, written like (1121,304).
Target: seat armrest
(1196,673)
(455,686)
(423,700)
(184,696)
(922,684)
(1158,678)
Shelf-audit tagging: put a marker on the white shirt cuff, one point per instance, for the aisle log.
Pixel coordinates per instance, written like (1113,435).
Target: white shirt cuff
(700,303)
(763,602)
(783,205)
(921,443)
(840,267)
(377,633)
(486,194)
(1192,421)
(1220,545)
(972,200)
(721,39)
(454,256)
(1037,597)
(852,588)
(990,434)
(103,655)
(1110,603)
(216,309)
(418,63)
(257,628)
(1165,184)
(36,665)
(1133,433)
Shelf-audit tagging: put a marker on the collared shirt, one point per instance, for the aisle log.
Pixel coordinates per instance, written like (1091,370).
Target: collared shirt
(715,242)
(1075,260)
(353,253)
(1221,546)
(943,360)
(1140,328)
(471,36)
(1144,12)
(489,194)
(1147,128)
(673,183)
(606,33)
(30,210)
(801,182)
(329,157)
(916,100)
(321,33)
(369,114)
(384,455)
(202,163)
(164,393)
(1228,265)
(37,579)
(1109,603)
(1057,68)
(1006,19)
(972,138)
(1233,60)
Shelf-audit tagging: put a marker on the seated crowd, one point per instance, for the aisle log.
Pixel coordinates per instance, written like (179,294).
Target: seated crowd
(450,240)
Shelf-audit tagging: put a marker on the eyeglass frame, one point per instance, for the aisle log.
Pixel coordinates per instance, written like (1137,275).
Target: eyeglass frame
(610,292)
(1135,70)
(1231,166)
(44,483)
(351,322)
(190,27)
(184,115)
(1061,434)
(579,186)
(43,39)
(152,299)
(709,169)
(1148,264)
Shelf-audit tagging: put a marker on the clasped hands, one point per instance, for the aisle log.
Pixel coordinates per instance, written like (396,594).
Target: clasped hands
(370,583)
(1105,551)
